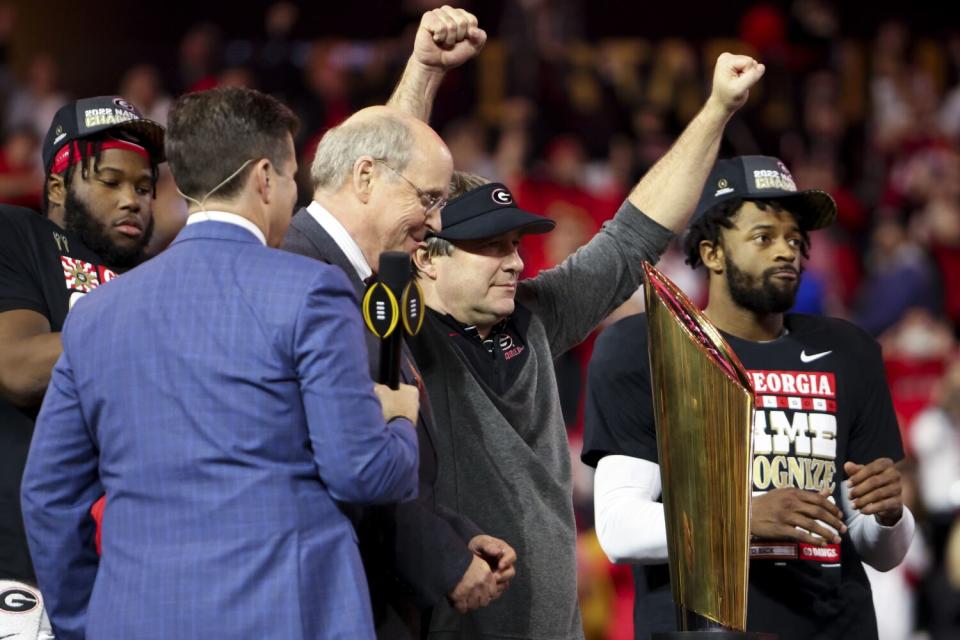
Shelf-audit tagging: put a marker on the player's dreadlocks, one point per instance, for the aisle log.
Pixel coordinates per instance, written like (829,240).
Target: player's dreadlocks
(91,148)
(708,226)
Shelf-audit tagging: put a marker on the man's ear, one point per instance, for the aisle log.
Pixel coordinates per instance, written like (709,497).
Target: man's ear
(362,178)
(265,186)
(426,266)
(711,254)
(56,190)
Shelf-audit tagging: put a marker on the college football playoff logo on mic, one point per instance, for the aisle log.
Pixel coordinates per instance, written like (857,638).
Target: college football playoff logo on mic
(380,310)
(411,308)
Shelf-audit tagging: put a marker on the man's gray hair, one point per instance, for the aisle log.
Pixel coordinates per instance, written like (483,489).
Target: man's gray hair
(438,247)
(463,181)
(380,136)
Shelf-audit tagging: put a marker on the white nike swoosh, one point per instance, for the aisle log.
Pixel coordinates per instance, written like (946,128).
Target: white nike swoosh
(815,356)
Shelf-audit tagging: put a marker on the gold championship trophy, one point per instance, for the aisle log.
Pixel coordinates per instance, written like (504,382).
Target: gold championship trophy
(703,405)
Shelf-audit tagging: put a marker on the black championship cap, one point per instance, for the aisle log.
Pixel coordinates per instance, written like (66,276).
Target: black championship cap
(90,116)
(766,178)
(485,212)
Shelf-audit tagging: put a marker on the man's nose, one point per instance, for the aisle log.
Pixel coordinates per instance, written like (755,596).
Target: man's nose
(130,200)
(433,221)
(513,262)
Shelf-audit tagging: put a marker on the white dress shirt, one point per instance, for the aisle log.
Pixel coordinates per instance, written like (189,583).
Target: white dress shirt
(343,239)
(229,218)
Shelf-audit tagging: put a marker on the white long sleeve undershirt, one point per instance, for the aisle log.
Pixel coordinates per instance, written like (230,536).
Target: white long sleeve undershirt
(631,528)
(629,521)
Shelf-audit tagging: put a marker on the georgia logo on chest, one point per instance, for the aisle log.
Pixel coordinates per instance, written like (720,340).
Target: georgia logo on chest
(82,277)
(794,430)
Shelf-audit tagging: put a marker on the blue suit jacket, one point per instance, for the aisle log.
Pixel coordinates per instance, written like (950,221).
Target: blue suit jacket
(219,395)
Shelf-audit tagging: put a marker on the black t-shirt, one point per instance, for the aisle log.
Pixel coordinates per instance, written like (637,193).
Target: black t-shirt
(821,400)
(44,269)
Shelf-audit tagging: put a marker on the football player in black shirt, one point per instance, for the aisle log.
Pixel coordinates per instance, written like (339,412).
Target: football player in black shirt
(826,489)
(100,158)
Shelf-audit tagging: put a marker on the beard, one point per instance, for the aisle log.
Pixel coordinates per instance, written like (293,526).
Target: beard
(94,235)
(764,298)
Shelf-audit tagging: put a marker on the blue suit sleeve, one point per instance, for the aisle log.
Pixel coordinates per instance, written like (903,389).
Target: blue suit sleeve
(60,483)
(359,457)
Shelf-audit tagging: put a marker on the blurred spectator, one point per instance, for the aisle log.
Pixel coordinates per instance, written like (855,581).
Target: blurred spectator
(21,173)
(513,146)
(200,57)
(275,66)
(935,437)
(8,81)
(834,270)
(467,140)
(950,111)
(916,352)
(764,27)
(537,35)
(894,591)
(899,277)
(555,190)
(326,78)
(935,440)
(237,76)
(813,29)
(327,101)
(937,222)
(38,100)
(889,88)
(652,135)
(142,86)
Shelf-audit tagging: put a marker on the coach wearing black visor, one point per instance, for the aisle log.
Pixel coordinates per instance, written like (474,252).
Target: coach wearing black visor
(486,354)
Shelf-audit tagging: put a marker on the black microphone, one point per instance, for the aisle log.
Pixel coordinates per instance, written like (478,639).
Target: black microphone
(382,312)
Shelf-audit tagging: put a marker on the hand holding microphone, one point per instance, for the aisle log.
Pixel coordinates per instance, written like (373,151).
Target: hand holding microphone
(403,402)
(392,305)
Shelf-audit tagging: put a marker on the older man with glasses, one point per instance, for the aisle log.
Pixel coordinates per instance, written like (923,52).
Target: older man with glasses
(380,180)
(431,201)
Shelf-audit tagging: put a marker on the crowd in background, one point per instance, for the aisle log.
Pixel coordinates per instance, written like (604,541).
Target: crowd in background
(569,124)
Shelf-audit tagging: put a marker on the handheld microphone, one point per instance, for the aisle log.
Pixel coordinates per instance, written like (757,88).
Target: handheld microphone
(392,304)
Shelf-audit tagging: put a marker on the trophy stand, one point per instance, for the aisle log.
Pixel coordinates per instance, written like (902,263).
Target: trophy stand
(700,628)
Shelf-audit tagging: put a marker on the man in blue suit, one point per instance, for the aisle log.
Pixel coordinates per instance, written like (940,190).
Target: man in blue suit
(219,396)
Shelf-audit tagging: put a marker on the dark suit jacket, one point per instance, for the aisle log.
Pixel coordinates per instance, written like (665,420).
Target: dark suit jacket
(414,552)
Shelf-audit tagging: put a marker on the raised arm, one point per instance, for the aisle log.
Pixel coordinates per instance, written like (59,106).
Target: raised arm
(669,192)
(600,276)
(446,38)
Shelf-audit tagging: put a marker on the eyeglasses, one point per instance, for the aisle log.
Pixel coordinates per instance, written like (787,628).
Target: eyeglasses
(431,202)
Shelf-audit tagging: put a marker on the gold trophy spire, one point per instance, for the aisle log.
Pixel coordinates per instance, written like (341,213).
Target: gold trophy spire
(703,405)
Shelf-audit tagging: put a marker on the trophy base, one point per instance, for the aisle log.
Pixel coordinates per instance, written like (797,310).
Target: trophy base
(713,635)
(701,628)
